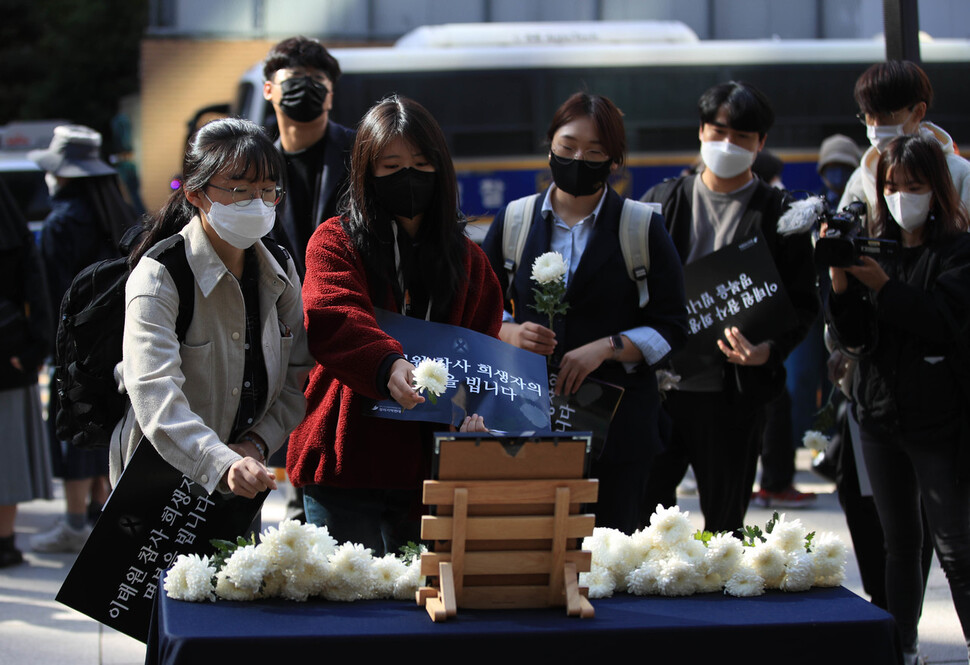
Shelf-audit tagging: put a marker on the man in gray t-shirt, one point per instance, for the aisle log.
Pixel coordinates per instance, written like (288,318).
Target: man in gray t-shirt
(717,414)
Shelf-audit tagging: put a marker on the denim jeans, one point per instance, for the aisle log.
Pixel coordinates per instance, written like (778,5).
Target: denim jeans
(381,520)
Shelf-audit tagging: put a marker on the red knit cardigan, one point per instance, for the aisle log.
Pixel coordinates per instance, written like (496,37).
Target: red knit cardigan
(336,444)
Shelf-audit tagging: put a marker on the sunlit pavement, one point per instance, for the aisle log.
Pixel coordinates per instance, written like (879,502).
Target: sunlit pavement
(37,630)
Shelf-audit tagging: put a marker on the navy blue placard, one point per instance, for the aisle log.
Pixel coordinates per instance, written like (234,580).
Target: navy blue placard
(504,384)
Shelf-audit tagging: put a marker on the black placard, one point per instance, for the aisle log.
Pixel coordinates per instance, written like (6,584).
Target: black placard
(154,514)
(738,285)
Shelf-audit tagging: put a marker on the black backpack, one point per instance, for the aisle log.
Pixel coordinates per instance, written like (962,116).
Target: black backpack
(89,339)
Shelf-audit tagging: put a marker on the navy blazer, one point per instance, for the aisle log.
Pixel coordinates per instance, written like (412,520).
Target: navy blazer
(603,299)
(336,165)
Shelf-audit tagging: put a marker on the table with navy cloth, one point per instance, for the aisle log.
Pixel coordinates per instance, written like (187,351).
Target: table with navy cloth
(818,626)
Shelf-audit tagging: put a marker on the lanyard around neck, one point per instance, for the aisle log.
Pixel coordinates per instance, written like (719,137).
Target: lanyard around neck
(399,270)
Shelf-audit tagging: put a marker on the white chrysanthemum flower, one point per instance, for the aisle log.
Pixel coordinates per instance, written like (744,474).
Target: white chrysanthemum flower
(190,578)
(828,556)
(273,583)
(669,526)
(549,267)
(613,550)
(644,580)
(387,570)
(303,581)
(710,583)
(799,572)
(724,554)
(677,578)
(815,440)
(351,574)
(308,579)
(246,567)
(745,582)
(599,581)
(227,589)
(319,540)
(768,561)
(431,375)
(787,536)
(285,546)
(407,584)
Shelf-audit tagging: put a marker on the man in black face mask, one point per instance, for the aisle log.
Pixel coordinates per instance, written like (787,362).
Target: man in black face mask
(300,77)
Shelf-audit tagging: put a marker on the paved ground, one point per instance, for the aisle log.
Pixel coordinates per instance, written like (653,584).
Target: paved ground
(36,630)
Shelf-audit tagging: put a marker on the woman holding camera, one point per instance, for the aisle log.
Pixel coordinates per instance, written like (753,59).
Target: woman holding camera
(910,314)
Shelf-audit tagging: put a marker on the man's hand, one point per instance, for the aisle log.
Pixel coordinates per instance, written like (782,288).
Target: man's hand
(741,351)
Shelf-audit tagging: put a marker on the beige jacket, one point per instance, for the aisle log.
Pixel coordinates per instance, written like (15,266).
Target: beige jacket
(184,396)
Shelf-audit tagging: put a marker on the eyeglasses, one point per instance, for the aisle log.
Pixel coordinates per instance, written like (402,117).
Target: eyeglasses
(592,158)
(243,196)
(891,116)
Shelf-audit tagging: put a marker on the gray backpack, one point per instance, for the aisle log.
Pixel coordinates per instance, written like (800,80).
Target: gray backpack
(634,238)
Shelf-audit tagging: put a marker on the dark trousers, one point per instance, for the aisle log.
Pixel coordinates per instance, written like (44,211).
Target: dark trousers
(905,471)
(777,449)
(721,441)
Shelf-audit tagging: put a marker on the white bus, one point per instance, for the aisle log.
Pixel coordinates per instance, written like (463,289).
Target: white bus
(494,87)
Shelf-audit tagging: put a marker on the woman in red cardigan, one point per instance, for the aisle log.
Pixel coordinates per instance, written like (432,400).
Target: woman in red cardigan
(398,245)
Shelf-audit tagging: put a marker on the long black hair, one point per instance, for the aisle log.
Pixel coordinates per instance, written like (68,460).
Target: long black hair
(232,146)
(921,158)
(442,249)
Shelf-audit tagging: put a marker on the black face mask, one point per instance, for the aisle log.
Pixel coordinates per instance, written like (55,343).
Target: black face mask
(577,178)
(302,98)
(406,192)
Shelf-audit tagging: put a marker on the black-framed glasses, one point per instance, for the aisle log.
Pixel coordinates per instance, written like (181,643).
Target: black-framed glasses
(861,117)
(592,158)
(243,196)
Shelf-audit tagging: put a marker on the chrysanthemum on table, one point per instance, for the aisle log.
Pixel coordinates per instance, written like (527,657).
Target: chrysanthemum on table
(671,558)
(294,561)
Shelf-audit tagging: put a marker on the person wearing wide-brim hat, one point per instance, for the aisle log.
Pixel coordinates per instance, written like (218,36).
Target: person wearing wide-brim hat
(73,153)
(87,220)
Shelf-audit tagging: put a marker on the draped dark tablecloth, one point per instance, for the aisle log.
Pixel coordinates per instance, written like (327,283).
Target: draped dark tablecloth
(818,626)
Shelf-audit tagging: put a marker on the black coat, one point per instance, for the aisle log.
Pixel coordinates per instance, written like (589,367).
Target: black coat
(603,301)
(915,368)
(22,289)
(793,259)
(330,186)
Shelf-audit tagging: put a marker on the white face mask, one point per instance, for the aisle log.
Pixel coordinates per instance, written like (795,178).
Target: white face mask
(239,226)
(724,159)
(909,210)
(880,136)
(52,185)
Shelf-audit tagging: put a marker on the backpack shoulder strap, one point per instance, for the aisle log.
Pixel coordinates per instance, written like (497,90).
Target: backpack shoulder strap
(171,254)
(518,221)
(277,250)
(635,242)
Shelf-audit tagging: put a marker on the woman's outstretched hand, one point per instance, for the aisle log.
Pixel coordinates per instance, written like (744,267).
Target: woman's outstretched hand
(399,384)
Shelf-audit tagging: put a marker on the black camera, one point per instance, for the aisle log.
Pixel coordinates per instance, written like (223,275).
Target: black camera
(842,246)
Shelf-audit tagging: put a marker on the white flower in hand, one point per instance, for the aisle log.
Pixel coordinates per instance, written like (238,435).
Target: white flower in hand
(549,267)
(431,375)
(814,440)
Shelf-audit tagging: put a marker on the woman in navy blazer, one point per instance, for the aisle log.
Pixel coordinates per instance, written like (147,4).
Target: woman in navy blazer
(605,334)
